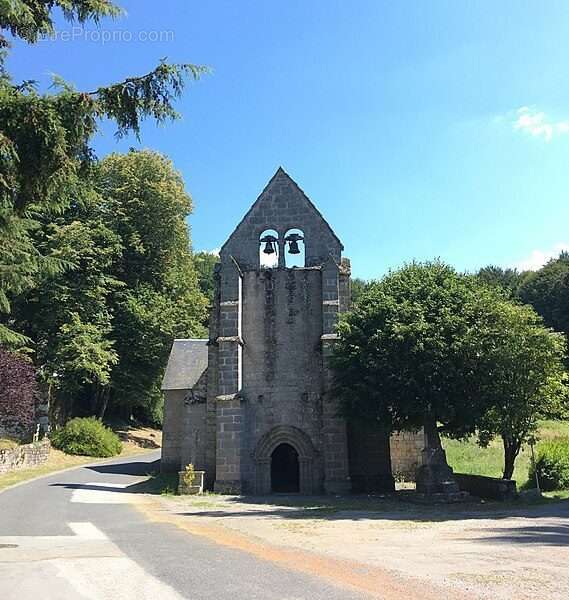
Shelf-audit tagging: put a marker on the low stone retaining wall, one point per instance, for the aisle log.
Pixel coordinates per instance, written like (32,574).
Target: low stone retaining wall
(28,455)
(487,487)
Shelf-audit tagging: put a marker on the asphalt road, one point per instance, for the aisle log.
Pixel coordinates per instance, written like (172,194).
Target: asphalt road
(76,535)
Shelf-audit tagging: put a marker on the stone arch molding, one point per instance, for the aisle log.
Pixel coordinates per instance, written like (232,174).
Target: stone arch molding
(300,441)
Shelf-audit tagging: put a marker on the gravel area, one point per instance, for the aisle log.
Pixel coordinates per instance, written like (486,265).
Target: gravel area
(396,550)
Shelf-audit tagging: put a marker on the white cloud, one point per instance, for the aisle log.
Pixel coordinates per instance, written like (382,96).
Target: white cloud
(538,258)
(538,124)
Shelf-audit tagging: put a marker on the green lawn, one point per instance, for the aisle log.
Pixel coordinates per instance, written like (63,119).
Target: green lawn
(467,457)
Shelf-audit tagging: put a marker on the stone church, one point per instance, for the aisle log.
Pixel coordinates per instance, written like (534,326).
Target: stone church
(252,405)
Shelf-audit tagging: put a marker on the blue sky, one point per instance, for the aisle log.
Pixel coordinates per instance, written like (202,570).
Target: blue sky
(419,129)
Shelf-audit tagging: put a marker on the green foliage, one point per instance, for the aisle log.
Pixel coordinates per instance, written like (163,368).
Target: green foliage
(103,328)
(547,290)
(87,437)
(358,288)
(205,266)
(427,346)
(521,375)
(85,355)
(467,456)
(144,202)
(152,94)
(552,466)
(96,274)
(31,19)
(45,153)
(508,280)
(408,351)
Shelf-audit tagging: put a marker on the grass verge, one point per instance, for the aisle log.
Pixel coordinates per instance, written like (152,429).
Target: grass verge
(467,457)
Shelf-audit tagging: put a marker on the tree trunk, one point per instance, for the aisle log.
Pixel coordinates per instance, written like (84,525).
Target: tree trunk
(94,390)
(511,451)
(104,401)
(431,432)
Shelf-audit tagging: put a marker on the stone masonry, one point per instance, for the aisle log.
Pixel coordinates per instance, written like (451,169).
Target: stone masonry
(406,448)
(267,419)
(27,455)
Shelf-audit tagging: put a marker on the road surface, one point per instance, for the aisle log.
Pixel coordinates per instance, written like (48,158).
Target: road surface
(77,535)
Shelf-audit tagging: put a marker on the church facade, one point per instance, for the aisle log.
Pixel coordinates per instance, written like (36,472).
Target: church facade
(253,405)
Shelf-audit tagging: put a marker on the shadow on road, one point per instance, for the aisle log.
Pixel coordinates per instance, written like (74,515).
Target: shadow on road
(155,482)
(128,468)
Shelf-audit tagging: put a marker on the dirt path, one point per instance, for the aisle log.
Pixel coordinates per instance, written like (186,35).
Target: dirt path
(393,553)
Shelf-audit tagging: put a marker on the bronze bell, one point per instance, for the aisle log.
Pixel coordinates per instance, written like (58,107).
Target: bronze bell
(293,240)
(269,241)
(293,247)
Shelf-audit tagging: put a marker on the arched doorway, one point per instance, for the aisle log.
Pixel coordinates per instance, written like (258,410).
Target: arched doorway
(285,472)
(309,467)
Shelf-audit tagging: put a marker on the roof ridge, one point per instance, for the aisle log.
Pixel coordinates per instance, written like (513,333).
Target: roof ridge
(314,207)
(278,172)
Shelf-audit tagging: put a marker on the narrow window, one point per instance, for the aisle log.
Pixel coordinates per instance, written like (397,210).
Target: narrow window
(269,249)
(294,248)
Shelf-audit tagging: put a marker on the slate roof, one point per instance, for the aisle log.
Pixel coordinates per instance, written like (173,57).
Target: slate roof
(187,362)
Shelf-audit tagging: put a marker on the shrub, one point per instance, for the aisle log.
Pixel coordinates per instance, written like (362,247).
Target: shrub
(88,437)
(18,394)
(552,465)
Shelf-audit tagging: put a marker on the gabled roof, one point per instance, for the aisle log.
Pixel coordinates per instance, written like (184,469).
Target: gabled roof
(281,172)
(186,364)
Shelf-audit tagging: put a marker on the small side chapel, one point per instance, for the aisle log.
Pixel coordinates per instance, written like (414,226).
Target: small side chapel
(252,406)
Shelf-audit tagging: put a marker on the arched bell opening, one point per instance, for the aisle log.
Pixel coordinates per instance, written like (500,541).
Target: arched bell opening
(285,470)
(295,255)
(269,249)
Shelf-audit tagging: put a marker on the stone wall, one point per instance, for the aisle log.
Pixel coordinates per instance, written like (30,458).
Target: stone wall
(193,449)
(185,429)
(282,206)
(406,448)
(174,430)
(28,455)
(493,488)
(282,363)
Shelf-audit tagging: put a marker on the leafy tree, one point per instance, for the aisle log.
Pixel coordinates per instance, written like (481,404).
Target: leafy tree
(521,377)
(45,153)
(358,287)
(31,19)
(508,280)
(18,397)
(547,290)
(103,328)
(407,354)
(144,202)
(205,265)
(68,315)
